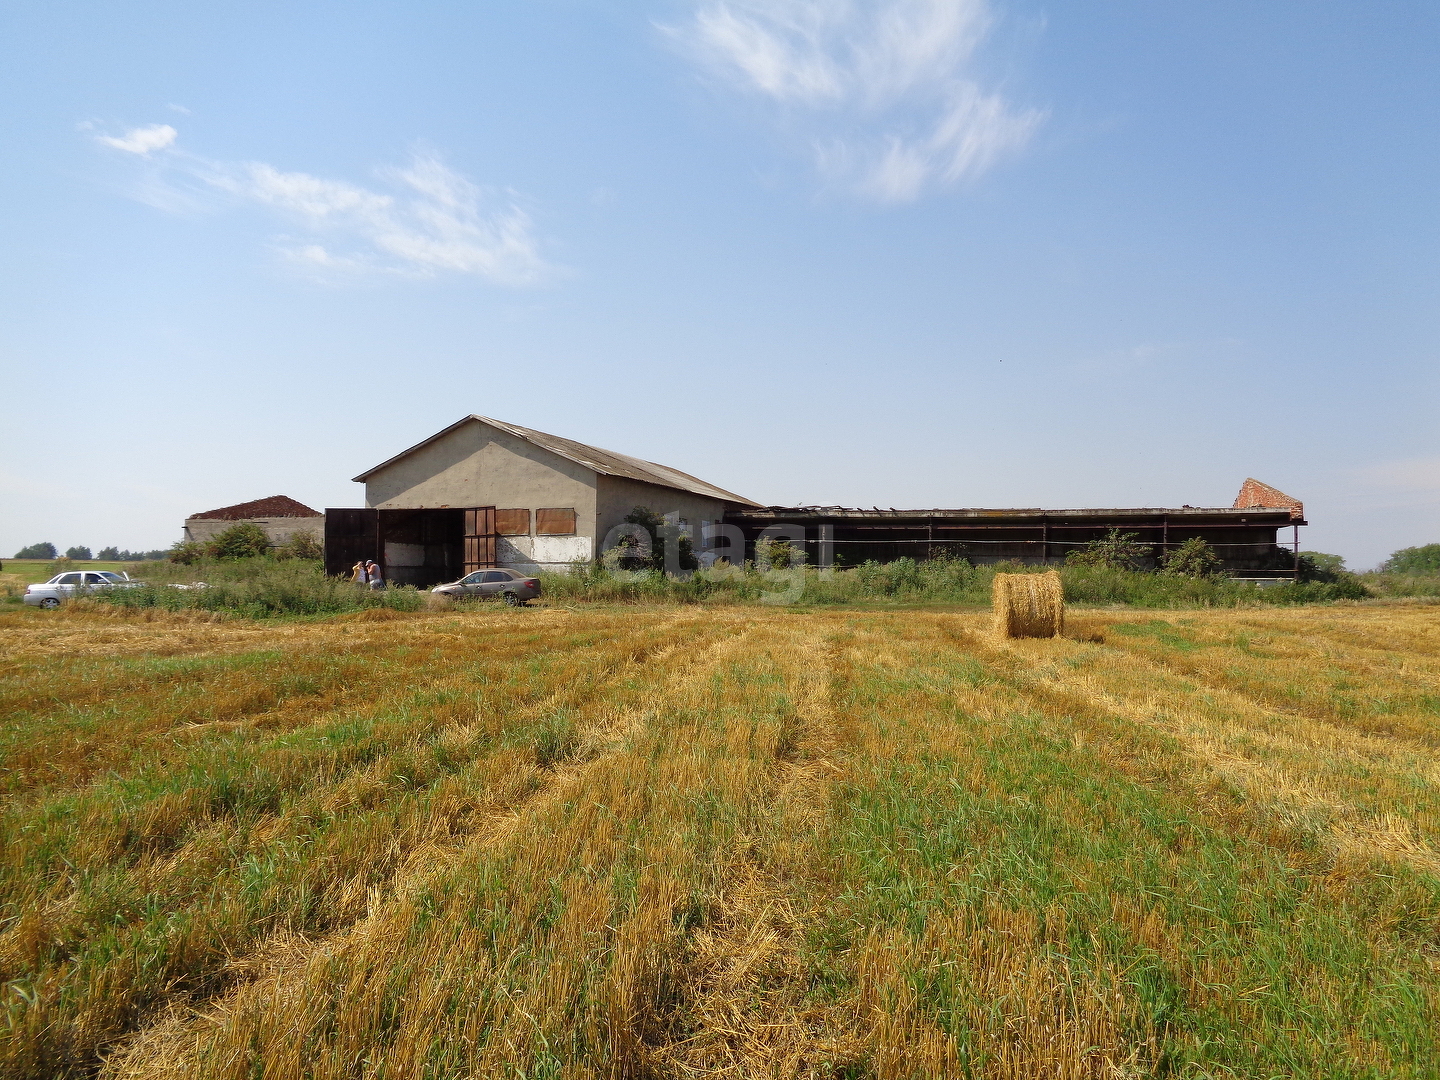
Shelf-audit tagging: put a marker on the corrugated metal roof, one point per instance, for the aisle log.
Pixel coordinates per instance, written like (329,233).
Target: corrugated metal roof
(274,506)
(605,462)
(1117,513)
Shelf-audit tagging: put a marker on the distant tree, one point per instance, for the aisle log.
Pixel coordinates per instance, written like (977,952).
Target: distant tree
(1318,566)
(46,550)
(1193,558)
(109,554)
(81,552)
(1115,550)
(243,541)
(1411,560)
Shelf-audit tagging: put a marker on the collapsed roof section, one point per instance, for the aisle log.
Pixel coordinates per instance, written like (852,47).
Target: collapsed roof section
(1255,496)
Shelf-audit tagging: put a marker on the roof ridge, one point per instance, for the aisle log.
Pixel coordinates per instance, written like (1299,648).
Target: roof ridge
(601,461)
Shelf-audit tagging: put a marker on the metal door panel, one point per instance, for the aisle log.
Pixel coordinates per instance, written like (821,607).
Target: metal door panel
(479,538)
(350,535)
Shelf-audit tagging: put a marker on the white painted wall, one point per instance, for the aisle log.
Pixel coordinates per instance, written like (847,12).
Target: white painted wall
(531,554)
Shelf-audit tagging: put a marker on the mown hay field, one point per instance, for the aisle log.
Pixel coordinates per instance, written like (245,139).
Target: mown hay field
(685,842)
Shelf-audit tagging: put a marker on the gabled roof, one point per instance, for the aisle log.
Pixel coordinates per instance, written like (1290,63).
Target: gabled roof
(274,506)
(1255,495)
(604,462)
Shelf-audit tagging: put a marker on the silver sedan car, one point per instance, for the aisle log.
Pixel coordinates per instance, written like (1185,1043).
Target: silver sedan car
(50,593)
(509,585)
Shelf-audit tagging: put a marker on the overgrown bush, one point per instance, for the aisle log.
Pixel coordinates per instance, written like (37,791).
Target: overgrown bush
(629,554)
(1115,551)
(187,552)
(778,554)
(245,540)
(1194,558)
(301,545)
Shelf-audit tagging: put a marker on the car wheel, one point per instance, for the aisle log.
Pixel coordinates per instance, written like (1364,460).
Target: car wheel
(50,602)
(511,600)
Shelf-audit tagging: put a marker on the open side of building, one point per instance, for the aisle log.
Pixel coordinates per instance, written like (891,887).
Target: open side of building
(485,493)
(1246,540)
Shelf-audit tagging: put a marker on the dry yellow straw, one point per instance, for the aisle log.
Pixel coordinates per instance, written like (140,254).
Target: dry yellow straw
(1028,605)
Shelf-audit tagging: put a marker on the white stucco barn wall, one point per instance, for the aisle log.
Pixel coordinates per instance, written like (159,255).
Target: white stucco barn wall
(478,465)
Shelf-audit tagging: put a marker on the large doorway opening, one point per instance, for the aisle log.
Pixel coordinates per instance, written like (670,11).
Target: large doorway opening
(413,547)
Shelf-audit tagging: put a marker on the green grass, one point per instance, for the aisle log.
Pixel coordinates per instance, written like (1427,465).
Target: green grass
(672,842)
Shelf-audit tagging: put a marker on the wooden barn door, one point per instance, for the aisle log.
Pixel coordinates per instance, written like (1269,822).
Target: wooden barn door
(479,538)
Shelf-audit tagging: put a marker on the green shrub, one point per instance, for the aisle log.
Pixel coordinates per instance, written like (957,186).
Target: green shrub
(1115,551)
(187,552)
(245,540)
(1194,558)
(628,555)
(301,545)
(45,550)
(78,553)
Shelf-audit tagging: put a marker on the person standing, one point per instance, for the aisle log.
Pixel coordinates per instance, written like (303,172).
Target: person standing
(358,574)
(372,571)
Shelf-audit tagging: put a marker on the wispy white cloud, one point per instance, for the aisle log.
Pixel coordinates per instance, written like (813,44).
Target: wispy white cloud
(142,140)
(423,219)
(883,88)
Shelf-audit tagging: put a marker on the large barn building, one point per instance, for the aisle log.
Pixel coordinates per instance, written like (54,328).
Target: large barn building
(485,493)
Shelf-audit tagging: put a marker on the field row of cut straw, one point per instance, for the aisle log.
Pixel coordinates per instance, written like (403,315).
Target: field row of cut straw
(684,842)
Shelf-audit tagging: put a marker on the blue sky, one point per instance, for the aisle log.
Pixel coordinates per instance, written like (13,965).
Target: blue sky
(910,253)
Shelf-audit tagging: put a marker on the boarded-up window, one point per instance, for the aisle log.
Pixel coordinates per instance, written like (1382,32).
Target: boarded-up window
(555,522)
(512,522)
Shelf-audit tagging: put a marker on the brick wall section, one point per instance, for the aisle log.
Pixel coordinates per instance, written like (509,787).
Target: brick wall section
(1254,495)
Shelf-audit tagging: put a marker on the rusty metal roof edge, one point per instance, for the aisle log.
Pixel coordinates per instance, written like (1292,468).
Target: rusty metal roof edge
(1145,511)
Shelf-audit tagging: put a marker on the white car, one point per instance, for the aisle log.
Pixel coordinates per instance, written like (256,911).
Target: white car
(73,582)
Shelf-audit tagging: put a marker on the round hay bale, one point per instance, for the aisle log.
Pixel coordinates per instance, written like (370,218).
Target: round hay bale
(1029,605)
